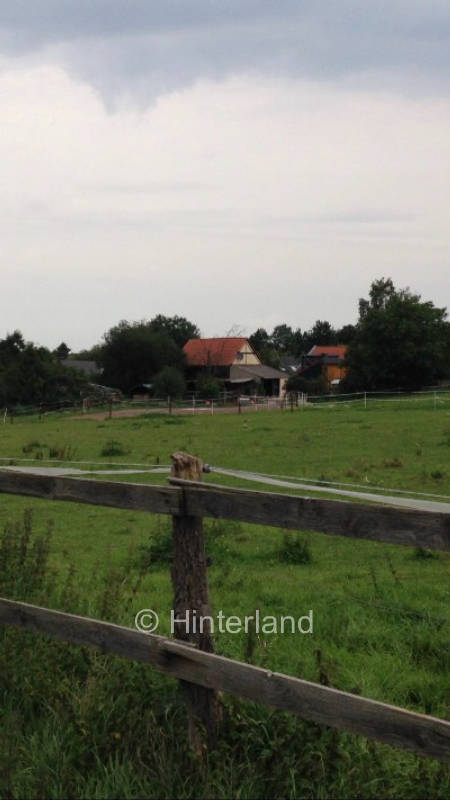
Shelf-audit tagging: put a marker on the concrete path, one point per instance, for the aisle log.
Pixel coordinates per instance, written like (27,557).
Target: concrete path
(403,502)
(61,472)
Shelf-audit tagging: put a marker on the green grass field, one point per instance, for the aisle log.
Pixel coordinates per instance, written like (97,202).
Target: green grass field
(77,724)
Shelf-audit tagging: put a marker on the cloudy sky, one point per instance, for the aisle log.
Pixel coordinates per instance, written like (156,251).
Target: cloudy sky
(238,162)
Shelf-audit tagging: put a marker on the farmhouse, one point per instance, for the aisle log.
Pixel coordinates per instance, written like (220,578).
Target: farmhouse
(233,361)
(327,361)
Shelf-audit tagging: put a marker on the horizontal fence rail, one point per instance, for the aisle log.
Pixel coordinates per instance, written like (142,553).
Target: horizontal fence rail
(321,704)
(375,522)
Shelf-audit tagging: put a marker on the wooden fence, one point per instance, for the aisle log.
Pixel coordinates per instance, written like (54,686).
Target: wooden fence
(203,673)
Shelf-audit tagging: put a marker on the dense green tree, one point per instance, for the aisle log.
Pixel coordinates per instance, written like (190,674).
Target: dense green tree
(62,351)
(282,338)
(168,382)
(31,375)
(178,328)
(260,340)
(208,387)
(322,332)
(346,334)
(297,343)
(281,342)
(298,383)
(134,353)
(264,348)
(401,342)
(94,353)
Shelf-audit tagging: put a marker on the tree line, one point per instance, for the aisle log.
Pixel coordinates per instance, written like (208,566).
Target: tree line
(33,375)
(398,342)
(286,342)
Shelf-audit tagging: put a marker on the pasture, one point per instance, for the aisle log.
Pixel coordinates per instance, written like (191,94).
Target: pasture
(90,725)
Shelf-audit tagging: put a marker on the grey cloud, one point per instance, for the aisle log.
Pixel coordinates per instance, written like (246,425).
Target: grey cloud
(147,48)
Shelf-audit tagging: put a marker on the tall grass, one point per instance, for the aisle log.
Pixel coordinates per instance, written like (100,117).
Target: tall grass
(78,724)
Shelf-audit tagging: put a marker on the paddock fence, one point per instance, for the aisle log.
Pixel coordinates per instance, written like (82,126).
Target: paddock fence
(192,660)
(437,399)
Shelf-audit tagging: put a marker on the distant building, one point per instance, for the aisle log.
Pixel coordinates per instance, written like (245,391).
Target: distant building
(233,361)
(327,361)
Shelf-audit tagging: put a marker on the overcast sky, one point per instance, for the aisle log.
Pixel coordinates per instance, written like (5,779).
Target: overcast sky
(238,162)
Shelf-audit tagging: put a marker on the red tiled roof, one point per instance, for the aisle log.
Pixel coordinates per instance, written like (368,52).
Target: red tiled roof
(212,352)
(328,350)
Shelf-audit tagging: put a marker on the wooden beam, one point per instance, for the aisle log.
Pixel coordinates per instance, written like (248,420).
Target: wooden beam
(428,736)
(137,496)
(380,523)
(377,522)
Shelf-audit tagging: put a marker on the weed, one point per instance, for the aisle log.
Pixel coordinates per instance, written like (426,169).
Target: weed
(113,448)
(437,474)
(64,452)
(24,560)
(322,670)
(422,553)
(295,549)
(392,569)
(158,551)
(28,448)
(373,576)
(393,463)
(323,479)
(250,642)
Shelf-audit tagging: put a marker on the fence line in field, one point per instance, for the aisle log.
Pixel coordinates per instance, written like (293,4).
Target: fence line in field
(200,670)
(371,398)
(192,404)
(203,405)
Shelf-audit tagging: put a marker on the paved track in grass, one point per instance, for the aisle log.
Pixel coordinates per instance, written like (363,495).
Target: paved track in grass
(414,503)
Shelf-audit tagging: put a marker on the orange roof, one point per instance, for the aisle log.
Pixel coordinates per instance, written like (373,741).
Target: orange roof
(213,352)
(328,350)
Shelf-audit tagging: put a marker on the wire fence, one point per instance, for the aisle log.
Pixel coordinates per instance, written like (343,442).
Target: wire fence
(191,403)
(434,398)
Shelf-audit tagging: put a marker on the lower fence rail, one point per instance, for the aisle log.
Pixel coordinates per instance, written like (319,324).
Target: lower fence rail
(428,736)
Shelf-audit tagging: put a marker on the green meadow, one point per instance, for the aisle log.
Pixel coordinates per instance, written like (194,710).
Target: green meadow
(80,724)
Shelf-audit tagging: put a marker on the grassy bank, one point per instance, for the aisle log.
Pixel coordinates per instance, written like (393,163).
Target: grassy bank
(79,724)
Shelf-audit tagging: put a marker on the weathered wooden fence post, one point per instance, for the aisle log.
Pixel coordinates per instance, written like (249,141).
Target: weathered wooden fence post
(191,602)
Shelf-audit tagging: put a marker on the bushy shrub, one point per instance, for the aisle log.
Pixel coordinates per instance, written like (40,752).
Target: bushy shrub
(24,567)
(298,383)
(158,550)
(208,387)
(295,549)
(113,448)
(168,382)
